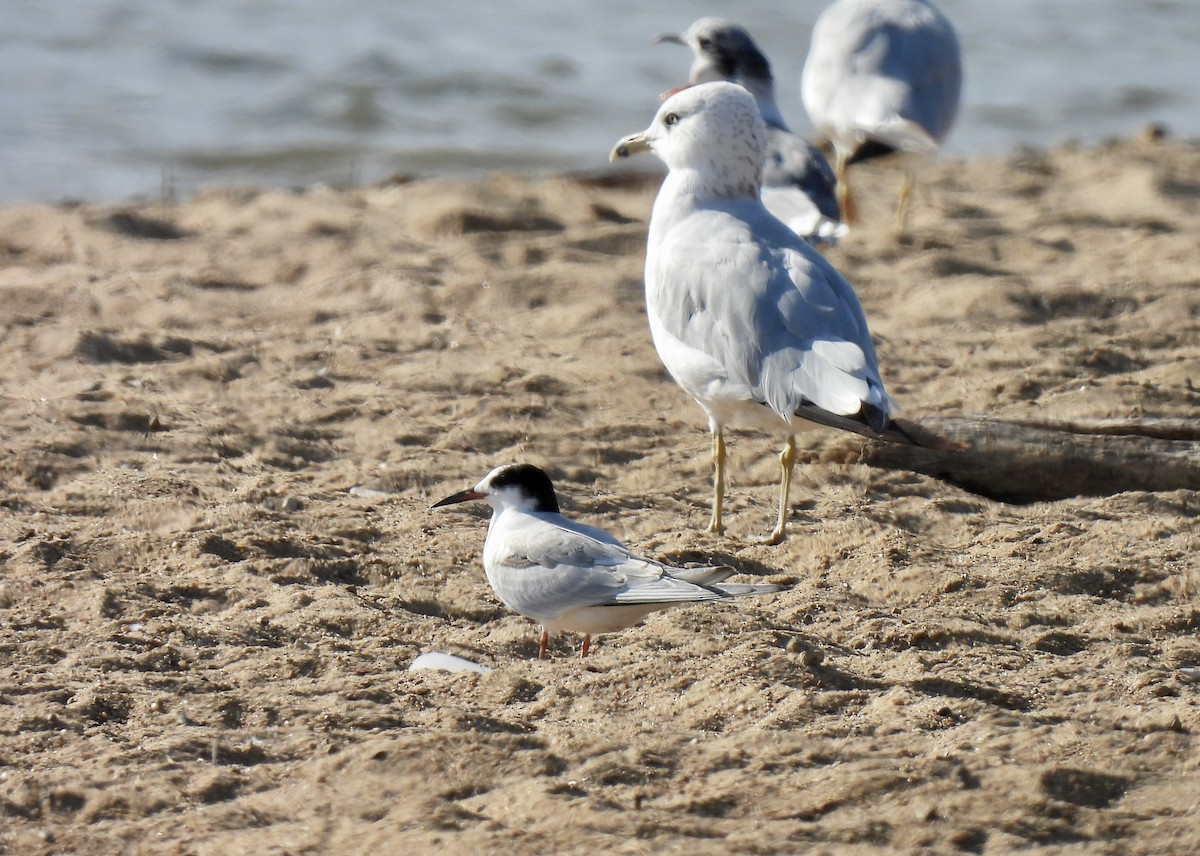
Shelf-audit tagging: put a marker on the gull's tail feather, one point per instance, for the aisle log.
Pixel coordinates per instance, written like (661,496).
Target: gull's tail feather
(875,424)
(869,422)
(900,135)
(870,150)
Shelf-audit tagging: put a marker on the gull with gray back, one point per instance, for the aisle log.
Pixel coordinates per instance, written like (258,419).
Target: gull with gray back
(747,317)
(882,76)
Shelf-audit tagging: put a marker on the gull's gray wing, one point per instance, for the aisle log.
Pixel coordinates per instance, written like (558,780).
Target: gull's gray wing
(894,72)
(793,162)
(746,304)
(923,52)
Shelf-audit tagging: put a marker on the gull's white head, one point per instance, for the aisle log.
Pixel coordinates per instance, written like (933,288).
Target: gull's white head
(519,486)
(713,131)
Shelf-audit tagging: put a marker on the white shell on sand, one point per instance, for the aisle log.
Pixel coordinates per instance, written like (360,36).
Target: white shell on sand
(445,663)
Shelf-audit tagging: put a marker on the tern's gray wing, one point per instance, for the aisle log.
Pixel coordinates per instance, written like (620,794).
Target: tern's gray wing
(740,301)
(544,565)
(706,576)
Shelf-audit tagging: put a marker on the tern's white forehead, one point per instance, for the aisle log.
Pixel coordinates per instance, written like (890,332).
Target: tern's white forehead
(485,483)
(519,485)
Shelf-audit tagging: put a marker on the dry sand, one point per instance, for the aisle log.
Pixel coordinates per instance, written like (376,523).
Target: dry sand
(206,633)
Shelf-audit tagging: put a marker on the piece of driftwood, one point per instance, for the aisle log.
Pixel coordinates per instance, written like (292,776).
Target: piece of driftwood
(1031,462)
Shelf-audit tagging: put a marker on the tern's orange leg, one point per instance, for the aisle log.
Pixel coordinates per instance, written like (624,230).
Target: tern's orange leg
(587,645)
(543,643)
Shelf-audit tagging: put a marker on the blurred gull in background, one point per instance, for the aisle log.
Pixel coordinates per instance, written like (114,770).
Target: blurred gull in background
(882,76)
(747,317)
(798,184)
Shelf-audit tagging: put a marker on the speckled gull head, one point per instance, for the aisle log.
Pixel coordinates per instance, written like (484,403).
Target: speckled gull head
(799,186)
(714,132)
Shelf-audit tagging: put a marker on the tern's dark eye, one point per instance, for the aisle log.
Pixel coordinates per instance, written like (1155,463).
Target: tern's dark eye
(704,43)
(671,118)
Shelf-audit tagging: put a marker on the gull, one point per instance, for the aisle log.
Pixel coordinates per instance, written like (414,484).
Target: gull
(882,76)
(799,186)
(571,576)
(747,317)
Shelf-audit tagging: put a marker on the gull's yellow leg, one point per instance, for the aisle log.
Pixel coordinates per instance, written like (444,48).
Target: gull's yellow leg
(905,200)
(718,456)
(787,460)
(844,199)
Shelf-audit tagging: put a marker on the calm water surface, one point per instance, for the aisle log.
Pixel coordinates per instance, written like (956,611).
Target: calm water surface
(106,99)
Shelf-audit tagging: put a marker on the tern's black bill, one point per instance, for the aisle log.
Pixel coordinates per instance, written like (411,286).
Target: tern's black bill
(461,496)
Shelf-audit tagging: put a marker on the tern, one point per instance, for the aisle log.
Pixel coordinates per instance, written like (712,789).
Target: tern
(571,576)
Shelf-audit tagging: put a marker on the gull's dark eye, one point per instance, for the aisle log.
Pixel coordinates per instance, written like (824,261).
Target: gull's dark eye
(671,118)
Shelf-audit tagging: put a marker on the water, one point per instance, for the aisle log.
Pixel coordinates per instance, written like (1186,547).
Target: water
(107,99)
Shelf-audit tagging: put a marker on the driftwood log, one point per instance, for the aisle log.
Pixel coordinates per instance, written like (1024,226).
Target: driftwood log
(1032,462)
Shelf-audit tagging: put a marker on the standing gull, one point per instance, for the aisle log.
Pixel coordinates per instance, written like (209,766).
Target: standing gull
(882,76)
(747,317)
(799,186)
(570,576)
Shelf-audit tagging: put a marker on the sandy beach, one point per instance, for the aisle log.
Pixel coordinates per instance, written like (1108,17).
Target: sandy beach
(224,420)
